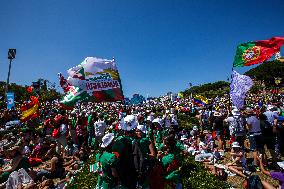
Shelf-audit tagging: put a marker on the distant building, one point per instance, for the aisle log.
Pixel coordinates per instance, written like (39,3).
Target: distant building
(137,99)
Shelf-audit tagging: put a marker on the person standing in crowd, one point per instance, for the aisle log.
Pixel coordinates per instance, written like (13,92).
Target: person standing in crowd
(204,119)
(255,135)
(106,165)
(72,129)
(59,133)
(231,121)
(218,127)
(268,128)
(92,118)
(240,131)
(100,127)
(171,163)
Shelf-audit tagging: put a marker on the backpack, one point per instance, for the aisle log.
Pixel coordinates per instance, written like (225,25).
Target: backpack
(240,130)
(138,158)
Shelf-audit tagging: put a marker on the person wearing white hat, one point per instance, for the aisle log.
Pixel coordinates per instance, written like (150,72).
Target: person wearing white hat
(128,123)
(231,121)
(106,140)
(106,163)
(238,164)
(100,127)
(167,119)
(158,120)
(255,134)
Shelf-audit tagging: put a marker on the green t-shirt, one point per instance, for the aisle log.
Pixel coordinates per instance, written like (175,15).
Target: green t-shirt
(173,173)
(159,137)
(120,143)
(73,123)
(144,145)
(107,161)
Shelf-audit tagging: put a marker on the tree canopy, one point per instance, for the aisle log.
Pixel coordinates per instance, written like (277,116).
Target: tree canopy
(209,89)
(267,72)
(47,93)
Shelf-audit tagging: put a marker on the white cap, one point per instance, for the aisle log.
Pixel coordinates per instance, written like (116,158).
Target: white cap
(107,139)
(236,145)
(142,128)
(195,128)
(129,123)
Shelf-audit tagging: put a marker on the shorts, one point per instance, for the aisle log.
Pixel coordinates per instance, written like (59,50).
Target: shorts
(256,142)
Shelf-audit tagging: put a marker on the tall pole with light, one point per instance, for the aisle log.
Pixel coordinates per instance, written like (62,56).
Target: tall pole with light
(11,56)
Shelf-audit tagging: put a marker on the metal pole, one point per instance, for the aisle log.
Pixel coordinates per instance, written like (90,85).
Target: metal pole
(8,79)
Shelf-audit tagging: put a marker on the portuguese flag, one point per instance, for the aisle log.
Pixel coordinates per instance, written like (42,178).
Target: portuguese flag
(256,52)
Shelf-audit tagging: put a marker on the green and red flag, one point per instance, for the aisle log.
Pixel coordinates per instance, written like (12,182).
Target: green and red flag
(255,52)
(94,78)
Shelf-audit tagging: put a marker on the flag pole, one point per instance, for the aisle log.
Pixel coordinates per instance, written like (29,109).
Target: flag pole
(123,101)
(230,103)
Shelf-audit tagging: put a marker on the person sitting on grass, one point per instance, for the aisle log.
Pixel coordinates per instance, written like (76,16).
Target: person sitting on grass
(238,164)
(19,161)
(276,175)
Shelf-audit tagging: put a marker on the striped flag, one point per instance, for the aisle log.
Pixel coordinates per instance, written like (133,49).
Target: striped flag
(200,100)
(30,110)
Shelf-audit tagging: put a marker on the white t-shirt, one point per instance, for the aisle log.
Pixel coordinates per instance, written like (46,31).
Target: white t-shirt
(255,125)
(167,121)
(63,129)
(232,124)
(174,119)
(271,116)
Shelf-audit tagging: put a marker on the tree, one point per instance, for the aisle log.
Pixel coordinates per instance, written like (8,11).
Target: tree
(21,94)
(209,89)
(267,72)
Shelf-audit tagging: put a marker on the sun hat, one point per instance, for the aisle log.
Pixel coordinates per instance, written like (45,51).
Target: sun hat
(236,145)
(129,123)
(150,118)
(142,128)
(158,120)
(195,128)
(281,164)
(183,137)
(107,139)
(270,107)
(205,132)
(235,112)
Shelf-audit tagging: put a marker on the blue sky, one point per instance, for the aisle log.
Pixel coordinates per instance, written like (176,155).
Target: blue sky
(159,45)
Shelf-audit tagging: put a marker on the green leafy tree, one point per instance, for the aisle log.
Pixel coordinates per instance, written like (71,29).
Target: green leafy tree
(209,89)
(267,72)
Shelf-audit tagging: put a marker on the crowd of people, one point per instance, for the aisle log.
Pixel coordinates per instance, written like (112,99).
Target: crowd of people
(143,145)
